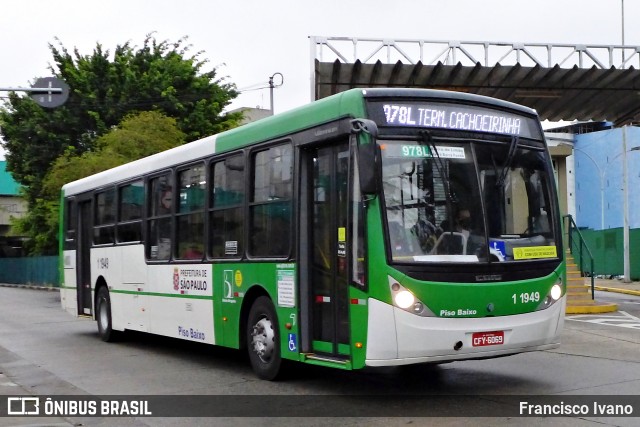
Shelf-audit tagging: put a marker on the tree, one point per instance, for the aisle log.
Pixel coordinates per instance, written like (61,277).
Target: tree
(138,136)
(159,76)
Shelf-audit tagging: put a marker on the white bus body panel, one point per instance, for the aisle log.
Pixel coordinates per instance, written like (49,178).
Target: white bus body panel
(68,293)
(396,337)
(173,300)
(175,311)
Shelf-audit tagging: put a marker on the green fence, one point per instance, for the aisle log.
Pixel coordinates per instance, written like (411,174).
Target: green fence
(41,270)
(606,247)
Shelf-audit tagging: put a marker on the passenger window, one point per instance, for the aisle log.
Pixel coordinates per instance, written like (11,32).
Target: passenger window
(270,208)
(130,202)
(159,225)
(226,216)
(190,215)
(105,217)
(105,207)
(71,220)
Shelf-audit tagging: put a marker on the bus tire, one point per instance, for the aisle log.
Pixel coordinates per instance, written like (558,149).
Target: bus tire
(103,316)
(263,339)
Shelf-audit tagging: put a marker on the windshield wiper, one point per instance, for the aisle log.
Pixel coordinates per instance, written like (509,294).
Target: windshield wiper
(508,161)
(426,138)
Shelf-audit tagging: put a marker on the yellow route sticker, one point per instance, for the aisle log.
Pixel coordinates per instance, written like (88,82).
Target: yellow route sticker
(535,252)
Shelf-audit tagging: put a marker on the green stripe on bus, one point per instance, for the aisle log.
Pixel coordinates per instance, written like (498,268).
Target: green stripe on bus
(157,294)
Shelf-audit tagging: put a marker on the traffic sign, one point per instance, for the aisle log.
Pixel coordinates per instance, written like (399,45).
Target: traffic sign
(54,92)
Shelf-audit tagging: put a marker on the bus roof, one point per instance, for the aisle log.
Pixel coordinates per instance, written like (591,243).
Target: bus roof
(345,104)
(442,95)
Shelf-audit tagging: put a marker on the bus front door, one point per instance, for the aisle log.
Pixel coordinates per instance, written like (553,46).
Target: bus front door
(83,260)
(327,217)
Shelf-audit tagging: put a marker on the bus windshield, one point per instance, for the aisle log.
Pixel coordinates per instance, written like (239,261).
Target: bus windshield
(463,201)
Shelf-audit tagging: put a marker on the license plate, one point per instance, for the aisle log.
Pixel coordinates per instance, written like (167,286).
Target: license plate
(481,339)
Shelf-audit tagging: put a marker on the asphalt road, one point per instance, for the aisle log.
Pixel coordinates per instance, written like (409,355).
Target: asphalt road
(44,351)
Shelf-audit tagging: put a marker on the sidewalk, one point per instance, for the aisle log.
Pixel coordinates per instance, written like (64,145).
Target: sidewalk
(615,285)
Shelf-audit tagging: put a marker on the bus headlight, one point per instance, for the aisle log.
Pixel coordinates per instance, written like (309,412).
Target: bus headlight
(404,299)
(555,293)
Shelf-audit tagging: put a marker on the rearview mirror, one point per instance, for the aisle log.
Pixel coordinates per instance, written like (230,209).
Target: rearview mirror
(368,155)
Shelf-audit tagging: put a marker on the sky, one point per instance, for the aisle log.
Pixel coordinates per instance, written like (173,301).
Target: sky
(249,40)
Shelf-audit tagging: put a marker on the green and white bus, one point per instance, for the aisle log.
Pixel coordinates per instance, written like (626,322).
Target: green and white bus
(375,227)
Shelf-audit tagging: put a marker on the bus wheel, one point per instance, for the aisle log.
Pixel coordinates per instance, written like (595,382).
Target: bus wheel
(103,316)
(263,339)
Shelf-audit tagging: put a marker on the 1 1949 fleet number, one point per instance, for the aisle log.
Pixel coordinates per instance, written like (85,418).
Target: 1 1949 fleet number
(526,297)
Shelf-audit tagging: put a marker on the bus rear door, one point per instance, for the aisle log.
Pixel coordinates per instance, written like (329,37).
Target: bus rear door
(83,260)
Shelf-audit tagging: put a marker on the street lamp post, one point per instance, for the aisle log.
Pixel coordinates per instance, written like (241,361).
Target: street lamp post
(625,225)
(622,10)
(625,214)
(272,85)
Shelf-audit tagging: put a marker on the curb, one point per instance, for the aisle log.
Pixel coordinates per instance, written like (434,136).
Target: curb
(617,290)
(591,309)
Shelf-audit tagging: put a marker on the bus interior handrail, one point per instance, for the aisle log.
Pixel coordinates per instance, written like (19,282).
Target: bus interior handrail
(583,244)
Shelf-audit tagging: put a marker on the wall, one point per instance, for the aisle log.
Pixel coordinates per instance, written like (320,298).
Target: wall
(598,170)
(11,206)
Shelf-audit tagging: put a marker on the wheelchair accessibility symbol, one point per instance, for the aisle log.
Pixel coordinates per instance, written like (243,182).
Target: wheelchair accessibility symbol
(293,346)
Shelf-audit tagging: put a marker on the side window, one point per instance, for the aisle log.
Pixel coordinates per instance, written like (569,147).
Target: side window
(70,224)
(159,225)
(358,237)
(130,202)
(226,216)
(105,217)
(190,215)
(270,207)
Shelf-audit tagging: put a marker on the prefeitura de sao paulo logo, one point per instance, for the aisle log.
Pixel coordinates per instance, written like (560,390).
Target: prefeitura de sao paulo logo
(176,278)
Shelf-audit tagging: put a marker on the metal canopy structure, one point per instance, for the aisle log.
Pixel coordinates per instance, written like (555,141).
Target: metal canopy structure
(562,82)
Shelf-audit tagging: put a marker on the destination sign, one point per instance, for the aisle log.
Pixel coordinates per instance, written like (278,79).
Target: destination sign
(414,151)
(408,150)
(454,117)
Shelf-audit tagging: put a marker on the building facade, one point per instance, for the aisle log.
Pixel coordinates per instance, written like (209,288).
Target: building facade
(599,193)
(12,205)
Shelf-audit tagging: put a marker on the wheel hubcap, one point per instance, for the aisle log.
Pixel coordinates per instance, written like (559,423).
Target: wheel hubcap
(103,315)
(263,339)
